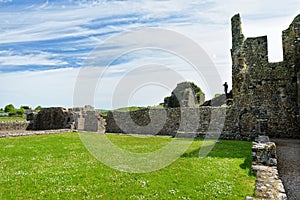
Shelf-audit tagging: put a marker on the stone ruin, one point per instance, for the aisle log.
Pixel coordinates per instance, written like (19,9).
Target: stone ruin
(266,95)
(264,165)
(51,118)
(88,119)
(80,119)
(186,94)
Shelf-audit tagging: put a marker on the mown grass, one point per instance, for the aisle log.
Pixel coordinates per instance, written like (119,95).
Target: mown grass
(12,119)
(59,167)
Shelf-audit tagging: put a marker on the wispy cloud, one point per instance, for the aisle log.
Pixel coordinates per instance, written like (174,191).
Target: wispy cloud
(9,58)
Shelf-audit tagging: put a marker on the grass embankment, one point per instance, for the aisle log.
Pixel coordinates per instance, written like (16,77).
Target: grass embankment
(60,167)
(12,119)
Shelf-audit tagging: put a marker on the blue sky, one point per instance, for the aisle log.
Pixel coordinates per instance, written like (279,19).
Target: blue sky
(44,44)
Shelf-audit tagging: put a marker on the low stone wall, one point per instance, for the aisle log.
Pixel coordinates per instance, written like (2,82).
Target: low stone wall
(199,121)
(81,118)
(194,122)
(16,133)
(159,121)
(11,126)
(264,165)
(51,118)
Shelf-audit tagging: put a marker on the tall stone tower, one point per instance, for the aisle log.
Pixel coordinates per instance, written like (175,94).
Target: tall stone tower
(266,95)
(237,54)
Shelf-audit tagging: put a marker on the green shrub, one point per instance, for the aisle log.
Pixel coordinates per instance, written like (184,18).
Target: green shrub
(10,109)
(38,108)
(20,112)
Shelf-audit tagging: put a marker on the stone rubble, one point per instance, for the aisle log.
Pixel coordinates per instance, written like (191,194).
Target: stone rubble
(264,164)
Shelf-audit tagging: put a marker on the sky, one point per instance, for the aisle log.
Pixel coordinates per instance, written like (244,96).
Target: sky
(115,53)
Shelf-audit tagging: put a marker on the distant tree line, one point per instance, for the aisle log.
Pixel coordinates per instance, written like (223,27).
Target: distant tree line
(13,111)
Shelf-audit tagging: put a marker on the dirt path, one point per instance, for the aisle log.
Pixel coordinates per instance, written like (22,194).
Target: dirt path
(288,152)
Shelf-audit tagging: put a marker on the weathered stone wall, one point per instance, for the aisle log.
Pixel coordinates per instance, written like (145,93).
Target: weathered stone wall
(51,118)
(175,121)
(88,119)
(195,121)
(266,95)
(81,119)
(264,165)
(159,121)
(11,126)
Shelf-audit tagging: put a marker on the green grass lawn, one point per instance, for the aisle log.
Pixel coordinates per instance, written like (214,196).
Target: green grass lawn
(12,119)
(60,167)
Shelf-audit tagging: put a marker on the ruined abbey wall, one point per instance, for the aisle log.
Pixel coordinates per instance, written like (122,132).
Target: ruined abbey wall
(80,119)
(266,95)
(167,121)
(179,122)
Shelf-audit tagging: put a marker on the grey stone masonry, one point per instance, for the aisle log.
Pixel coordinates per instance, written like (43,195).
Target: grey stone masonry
(88,119)
(264,164)
(80,119)
(266,96)
(50,119)
(11,126)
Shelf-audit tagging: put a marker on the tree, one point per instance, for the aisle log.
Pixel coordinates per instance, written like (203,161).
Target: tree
(38,108)
(9,109)
(20,112)
(26,107)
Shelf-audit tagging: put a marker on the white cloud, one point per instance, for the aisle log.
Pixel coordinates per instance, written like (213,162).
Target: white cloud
(9,58)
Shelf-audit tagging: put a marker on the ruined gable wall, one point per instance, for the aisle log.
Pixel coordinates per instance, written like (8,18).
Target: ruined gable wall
(265,93)
(291,52)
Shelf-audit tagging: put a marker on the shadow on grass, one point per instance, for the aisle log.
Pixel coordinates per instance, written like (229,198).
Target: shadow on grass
(225,149)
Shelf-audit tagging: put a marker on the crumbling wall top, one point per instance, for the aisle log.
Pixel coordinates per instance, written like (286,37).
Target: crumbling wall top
(291,43)
(237,34)
(297,19)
